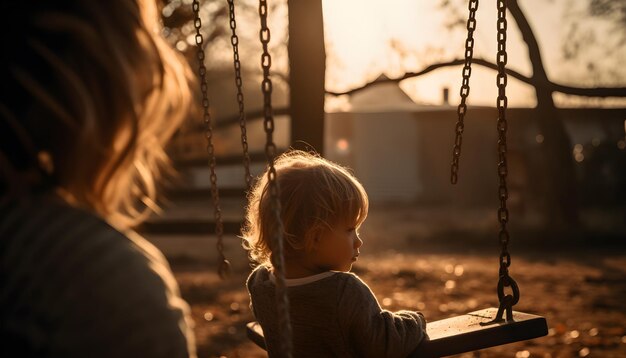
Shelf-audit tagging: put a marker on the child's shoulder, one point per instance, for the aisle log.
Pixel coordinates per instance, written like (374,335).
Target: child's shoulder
(260,270)
(354,292)
(351,281)
(347,277)
(258,274)
(261,275)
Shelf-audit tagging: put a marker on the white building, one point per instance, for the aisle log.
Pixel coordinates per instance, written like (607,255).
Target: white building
(377,138)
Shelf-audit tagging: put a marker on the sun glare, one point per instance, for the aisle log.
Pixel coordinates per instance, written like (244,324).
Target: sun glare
(342,145)
(366,38)
(360,33)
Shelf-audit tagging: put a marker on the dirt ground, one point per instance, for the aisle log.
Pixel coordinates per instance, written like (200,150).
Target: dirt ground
(420,260)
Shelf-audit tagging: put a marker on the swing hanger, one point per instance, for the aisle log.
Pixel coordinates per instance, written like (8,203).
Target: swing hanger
(505,280)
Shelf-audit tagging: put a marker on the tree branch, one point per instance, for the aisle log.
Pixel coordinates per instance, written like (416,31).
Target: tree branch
(590,91)
(251,116)
(577,91)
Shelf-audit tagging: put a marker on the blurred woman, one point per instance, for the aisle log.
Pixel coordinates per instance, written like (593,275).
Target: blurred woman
(90,95)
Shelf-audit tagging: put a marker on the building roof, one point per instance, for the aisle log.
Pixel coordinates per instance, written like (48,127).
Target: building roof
(385,97)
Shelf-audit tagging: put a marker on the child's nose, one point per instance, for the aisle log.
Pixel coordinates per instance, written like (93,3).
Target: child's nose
(358,242)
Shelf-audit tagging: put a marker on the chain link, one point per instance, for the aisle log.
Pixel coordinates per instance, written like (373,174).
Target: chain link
(506,301)
(464,92)
(224,265)
(278,260)
(503,213)
(234,41)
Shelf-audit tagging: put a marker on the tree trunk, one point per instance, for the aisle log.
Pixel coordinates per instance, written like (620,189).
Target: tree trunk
(307,67)
(556,170)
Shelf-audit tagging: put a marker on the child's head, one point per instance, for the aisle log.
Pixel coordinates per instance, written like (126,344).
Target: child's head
(91,92)
(317,198)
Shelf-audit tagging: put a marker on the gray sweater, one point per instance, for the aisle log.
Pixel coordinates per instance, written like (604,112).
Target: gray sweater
(72,286)
(335,315)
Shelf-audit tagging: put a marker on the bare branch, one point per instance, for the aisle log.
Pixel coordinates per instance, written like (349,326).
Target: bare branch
(590,91)
(555,87)
(251,116)
(428,69)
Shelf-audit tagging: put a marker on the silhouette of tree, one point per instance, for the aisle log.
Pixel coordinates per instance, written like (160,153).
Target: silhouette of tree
(557,187)
(306,80)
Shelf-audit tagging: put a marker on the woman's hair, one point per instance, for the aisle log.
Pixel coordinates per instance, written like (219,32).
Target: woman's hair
(91,92)
(314,194)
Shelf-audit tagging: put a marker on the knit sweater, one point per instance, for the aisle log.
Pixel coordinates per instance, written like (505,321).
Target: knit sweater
(72,286)
(334,314)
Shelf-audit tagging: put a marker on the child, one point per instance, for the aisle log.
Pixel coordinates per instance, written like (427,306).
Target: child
(333,312)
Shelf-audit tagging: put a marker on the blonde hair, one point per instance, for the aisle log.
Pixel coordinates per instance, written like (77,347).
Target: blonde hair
(315,194)
(96,94)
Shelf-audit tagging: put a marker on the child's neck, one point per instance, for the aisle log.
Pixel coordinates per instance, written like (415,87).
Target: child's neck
(299,270)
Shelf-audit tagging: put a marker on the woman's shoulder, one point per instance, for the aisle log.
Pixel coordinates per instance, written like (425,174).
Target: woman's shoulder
(45,232)
(40,215)
(86,268)
(47,226)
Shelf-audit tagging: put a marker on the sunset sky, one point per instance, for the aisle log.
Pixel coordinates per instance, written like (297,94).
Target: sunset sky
(359,33)
(366,38)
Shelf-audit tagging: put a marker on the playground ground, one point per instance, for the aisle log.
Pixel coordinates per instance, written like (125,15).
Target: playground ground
(442,264)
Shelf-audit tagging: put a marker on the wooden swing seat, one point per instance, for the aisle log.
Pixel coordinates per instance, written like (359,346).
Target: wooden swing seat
(460,334)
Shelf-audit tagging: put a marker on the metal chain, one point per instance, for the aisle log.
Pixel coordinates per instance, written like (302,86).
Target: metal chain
(501,80)
(506,301)
(234,41)
(464,92)
(224,266)
(278,260)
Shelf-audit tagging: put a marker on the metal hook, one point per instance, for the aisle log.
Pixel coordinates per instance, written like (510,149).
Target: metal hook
(506,301)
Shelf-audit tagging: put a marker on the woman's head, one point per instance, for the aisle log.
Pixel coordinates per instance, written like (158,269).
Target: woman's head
(91,94)
(316,195)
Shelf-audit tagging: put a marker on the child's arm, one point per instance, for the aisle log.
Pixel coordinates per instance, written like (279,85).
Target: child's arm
(372,331)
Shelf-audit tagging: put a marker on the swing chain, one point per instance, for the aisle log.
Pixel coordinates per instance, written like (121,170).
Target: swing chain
(224,265)
(277,258)
(234,41)
(503,213)
(464,92)
(506,301)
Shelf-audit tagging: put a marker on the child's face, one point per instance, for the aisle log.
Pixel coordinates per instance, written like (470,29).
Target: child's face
(337,249)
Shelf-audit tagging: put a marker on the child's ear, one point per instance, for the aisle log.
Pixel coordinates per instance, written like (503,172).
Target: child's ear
(312,240)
